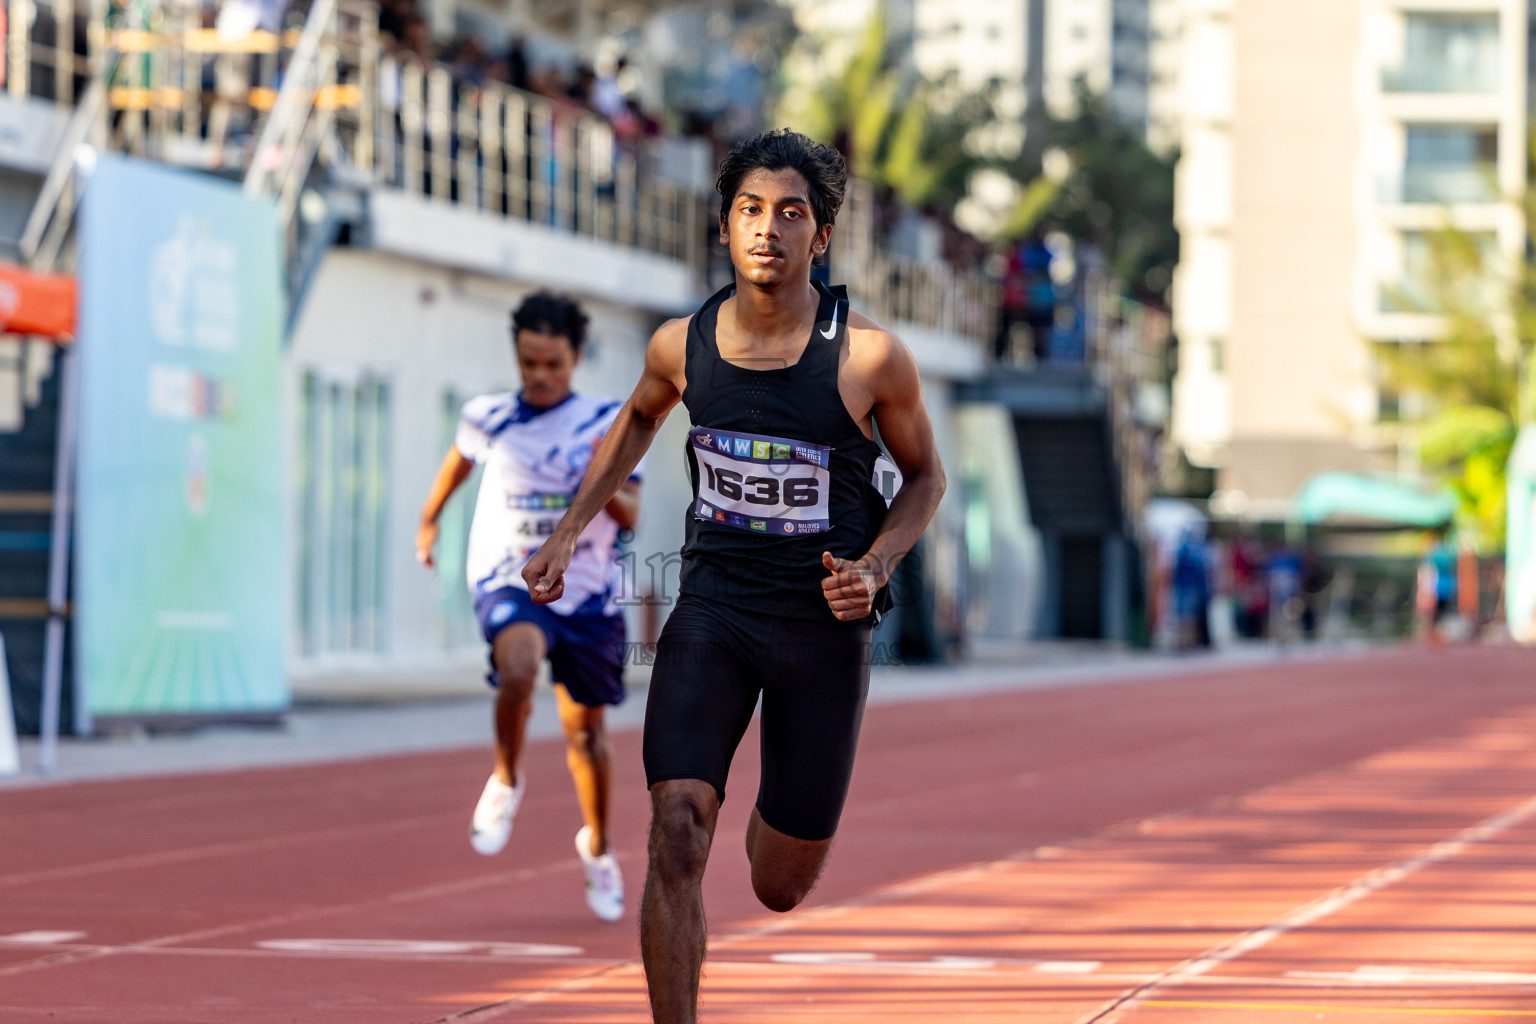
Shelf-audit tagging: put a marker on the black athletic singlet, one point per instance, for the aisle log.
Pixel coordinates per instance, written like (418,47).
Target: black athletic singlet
(780,471)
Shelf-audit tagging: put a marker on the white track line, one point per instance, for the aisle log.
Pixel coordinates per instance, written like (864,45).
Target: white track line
(1301,917)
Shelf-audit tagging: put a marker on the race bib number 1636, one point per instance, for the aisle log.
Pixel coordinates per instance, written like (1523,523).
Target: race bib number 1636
(767,485)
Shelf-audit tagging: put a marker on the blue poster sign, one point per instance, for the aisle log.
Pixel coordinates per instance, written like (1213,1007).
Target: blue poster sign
(180,544)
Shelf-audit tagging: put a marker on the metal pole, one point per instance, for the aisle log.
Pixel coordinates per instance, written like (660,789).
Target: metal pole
(10,756)
(58,570)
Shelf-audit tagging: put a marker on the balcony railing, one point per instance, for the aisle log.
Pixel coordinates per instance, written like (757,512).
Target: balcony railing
(1476,183)
(1478,79)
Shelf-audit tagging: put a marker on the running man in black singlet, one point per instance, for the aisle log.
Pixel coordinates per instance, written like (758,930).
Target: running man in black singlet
(789,546)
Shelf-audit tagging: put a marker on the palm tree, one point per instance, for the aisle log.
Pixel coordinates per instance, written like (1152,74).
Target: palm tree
(1476,377)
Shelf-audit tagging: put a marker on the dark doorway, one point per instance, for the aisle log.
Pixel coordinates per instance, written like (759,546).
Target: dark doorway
(1082,585)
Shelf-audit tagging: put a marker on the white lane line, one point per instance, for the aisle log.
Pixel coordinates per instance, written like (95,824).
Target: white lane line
(868,961)
(871,961)
(1068,966)
(419,947)
(382,956)
(457,886)
(1389,975)
(41,938)
(1310,913)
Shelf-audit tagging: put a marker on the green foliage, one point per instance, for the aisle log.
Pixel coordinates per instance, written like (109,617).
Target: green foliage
(1034,205)
(1119,196)
(897,131)
(1476,377)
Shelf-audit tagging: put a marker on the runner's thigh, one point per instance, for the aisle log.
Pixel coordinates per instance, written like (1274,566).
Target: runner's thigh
(704,688)
(813,703)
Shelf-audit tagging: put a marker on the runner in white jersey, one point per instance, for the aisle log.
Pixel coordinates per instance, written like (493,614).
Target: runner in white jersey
(535,447)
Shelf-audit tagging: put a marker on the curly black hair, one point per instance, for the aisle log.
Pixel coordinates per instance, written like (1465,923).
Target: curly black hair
(821,166)
(544,312)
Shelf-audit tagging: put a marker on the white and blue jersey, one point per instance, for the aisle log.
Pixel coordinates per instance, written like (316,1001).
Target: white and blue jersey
(534,459)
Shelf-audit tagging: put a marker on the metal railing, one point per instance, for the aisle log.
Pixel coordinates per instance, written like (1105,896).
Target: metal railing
(185,95)
(49,46)
(1125,341)
(52,217)
(954,301)
(510,153)
(270,106)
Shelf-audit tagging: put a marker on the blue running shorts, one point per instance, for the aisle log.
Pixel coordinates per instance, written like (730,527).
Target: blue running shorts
(586,648)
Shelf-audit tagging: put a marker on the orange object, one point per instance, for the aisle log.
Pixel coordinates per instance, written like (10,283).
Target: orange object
(42,304)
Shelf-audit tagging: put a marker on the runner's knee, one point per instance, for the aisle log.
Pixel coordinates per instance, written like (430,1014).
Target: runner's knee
(680,836)
(781,895)
(583,727)
(517,654)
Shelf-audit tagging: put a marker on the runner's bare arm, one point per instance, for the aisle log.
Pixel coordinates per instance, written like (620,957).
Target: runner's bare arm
(450,475)
(895,392)
(660,388)
(625,505)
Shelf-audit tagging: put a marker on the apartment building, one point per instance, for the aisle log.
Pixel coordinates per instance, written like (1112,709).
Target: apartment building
(1103,44)
(986,44)
(1322,142)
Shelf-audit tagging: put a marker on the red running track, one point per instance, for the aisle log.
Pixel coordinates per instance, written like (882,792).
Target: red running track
(1340,841)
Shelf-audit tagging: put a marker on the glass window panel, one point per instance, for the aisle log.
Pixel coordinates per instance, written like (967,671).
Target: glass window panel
(343,488)
(1450,164)
(1447,53)
(459,628)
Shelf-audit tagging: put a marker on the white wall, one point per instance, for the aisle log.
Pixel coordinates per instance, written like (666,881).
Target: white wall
(1007,567)
(429,330)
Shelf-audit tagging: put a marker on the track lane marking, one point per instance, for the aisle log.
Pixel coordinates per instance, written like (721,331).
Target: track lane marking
(1393,975)
(1309,913)
(236,953)
(162,858)
(308,913)
(1187,1004)
(41,938)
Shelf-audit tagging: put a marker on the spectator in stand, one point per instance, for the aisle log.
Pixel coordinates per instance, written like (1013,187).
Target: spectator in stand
(1012,295)
(633,124)
(608,96)
(517,64)
(583,87)
(469,65)
(416,41)
(1039,292)
(393,15)
(545,81)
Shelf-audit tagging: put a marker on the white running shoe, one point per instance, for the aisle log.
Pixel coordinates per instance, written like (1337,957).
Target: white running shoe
(491,826)
(605,886)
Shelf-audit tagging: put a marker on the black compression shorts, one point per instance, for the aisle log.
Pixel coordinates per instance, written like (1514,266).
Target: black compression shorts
(713,660)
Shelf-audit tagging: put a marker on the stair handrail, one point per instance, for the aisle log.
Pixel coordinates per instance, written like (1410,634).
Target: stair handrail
(273,157)
(42,238)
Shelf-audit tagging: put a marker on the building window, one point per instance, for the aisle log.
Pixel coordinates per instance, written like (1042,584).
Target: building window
(1418,290)
(1218,347)
(1449,164)
(343,488)
(1397,363)
(1447,53)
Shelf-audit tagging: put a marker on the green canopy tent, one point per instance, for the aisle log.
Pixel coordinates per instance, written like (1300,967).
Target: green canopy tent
(1380,501)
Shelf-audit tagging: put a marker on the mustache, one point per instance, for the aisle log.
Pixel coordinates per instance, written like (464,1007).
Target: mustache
(771,250)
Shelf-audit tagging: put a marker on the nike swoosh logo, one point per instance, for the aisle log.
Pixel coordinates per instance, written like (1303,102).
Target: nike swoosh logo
(831,329)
